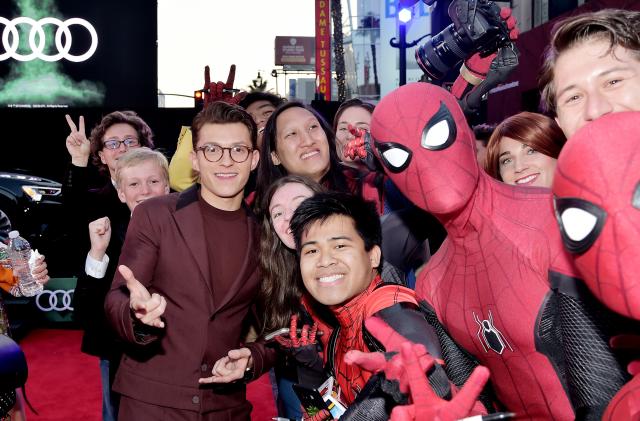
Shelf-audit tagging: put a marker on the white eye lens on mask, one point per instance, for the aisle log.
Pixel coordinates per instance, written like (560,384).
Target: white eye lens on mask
(578,223)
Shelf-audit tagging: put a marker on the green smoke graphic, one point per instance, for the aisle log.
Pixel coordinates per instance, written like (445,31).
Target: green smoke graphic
(40,82)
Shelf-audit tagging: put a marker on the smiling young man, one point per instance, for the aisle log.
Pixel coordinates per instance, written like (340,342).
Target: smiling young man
(188,277)
(338,239)
(260,105)
(592,67)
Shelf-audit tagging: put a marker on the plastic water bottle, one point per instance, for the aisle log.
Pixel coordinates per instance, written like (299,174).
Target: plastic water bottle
(20,253)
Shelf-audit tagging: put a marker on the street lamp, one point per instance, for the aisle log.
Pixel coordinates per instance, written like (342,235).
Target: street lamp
(404,16)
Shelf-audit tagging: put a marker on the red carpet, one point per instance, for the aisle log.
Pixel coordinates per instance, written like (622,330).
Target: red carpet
(64,384)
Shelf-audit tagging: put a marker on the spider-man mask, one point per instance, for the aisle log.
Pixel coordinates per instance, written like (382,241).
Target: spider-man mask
(597,201)
(422,139)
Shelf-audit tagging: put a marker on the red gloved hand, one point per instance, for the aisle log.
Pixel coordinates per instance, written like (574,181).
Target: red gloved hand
(302,348)
(306,337)
(360,150)
(393,367)
(512,23)
(355,148)
(220,91)
(478,66)
(408,367)
(424,403)
(478,75)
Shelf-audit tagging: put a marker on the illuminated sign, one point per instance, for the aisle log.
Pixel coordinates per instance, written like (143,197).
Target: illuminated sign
(295,51)
(323,49)
(38,40)
(78,53)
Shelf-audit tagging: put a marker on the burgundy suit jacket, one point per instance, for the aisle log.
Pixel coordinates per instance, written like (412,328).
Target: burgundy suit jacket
(166,250)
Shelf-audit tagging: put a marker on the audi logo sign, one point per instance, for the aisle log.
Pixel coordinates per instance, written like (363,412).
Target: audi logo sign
(37,39)
(58,300)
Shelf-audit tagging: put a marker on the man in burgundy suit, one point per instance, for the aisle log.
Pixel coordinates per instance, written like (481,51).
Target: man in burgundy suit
(196,276)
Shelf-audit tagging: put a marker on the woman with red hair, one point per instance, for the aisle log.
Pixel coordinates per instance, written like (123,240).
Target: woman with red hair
(523,150)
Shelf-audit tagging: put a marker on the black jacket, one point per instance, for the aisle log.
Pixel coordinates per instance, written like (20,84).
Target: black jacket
(82,206)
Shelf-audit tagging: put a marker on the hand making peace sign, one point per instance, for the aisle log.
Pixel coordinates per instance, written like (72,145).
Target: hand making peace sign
(77,143)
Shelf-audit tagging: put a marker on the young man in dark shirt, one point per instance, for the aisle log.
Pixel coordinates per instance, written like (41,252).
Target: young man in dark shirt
(196,277)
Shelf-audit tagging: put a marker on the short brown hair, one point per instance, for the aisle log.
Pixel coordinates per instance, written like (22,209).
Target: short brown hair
(136,157)
(620,27)
(219,112)
(145,135)
(535,130)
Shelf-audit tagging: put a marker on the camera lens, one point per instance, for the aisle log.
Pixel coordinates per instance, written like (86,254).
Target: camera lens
(443,52)
(477,28)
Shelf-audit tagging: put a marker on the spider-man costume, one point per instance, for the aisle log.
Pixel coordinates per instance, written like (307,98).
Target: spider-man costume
(377,298)
(501,285)
(373,396)
(597,202)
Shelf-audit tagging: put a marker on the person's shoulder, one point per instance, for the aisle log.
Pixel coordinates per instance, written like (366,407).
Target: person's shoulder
(387,295)
(159,204)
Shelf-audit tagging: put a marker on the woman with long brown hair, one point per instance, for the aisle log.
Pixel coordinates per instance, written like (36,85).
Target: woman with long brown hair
(282,293)
(281,288)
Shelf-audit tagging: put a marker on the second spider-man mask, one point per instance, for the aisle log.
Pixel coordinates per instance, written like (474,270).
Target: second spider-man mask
(597,202)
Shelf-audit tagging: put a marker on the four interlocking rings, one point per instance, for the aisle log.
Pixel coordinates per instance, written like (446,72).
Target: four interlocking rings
(37,39)
(54,303)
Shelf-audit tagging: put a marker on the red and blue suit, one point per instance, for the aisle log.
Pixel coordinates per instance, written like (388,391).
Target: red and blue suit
(502,285)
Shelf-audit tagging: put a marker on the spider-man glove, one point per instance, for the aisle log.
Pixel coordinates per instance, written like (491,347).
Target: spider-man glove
(359,149)
(475,69)
(408,367)
(220,91)
(478,75)
(302,348)
(625,405)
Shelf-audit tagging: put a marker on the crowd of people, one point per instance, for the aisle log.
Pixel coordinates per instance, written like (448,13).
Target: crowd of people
(336,232)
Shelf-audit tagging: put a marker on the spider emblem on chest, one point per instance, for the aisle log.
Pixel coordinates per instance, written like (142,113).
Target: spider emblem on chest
(489,335)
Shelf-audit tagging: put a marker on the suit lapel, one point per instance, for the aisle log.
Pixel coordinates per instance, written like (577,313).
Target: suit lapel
(188,218)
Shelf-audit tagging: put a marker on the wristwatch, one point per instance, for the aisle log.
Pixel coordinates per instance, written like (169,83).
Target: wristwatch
(248,374)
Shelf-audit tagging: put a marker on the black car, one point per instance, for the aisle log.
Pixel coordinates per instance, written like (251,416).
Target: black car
(34,207)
